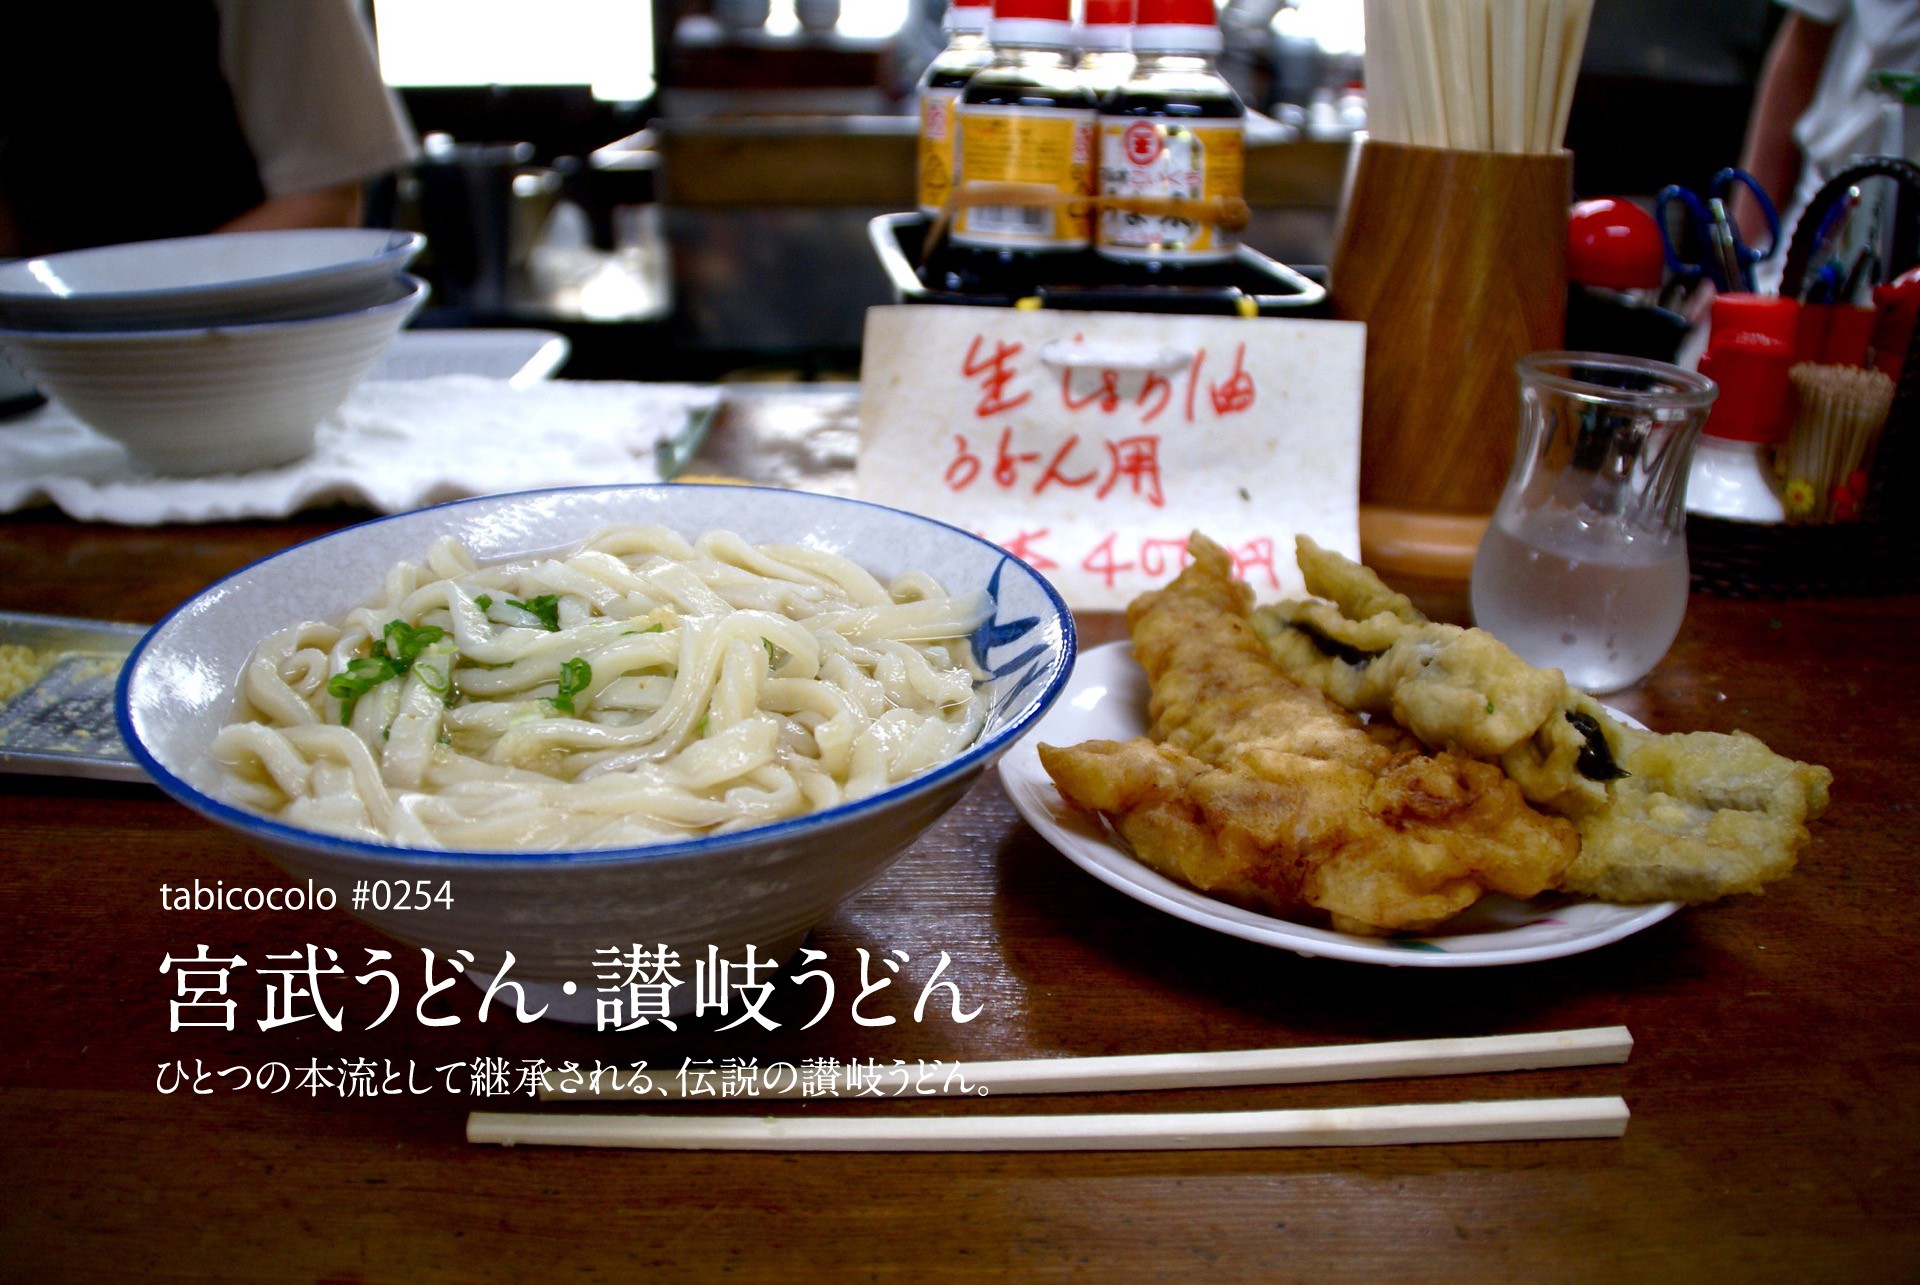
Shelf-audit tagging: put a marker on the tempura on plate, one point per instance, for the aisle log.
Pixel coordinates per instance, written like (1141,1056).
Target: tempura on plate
(1684,816)
(1259,790)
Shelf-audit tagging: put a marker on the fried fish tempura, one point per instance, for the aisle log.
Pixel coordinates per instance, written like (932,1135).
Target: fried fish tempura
(1261,791)
(1372,652)
(1698,815)
(1685,817)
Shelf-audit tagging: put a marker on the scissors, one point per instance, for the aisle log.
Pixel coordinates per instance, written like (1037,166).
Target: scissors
(1724,258)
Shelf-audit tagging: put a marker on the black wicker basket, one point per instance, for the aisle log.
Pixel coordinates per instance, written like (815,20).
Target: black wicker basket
(1880,553)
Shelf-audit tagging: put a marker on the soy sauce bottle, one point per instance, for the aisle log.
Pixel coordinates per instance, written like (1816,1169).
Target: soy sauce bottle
(967,52)
(1027,121)
(1175,128)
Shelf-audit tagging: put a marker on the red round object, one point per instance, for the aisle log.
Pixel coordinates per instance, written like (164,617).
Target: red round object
(1615,244)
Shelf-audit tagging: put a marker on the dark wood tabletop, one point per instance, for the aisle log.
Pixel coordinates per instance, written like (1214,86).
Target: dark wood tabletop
(1774,1082)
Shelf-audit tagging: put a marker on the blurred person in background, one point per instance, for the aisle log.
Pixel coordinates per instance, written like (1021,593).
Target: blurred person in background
(179,117)
(1813,112)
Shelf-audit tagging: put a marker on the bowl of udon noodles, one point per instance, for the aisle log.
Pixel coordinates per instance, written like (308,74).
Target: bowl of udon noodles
(596,721)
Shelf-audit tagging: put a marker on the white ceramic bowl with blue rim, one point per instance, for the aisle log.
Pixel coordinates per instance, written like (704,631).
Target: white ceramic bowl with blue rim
(223,278)
(767,886)
(222,399)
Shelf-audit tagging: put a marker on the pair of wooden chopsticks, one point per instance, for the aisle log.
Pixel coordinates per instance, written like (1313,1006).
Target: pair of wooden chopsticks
(1594,1117)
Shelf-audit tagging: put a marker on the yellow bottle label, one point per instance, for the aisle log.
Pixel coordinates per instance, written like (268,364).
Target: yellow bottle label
(939,128)
(1184,160)
(1046,150)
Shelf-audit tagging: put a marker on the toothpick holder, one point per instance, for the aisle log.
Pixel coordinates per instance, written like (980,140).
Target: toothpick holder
(1456,261)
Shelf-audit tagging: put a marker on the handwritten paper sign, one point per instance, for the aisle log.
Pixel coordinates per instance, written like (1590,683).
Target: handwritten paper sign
(1090,444)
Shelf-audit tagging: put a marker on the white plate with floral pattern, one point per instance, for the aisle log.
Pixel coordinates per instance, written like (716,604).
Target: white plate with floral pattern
(1106,698)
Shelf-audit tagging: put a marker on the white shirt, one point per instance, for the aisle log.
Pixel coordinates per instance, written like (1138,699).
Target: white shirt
(1845,119)
(307,88)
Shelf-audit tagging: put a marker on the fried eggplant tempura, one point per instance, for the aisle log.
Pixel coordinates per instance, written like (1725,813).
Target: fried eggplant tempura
(1260,791)
(1685,817)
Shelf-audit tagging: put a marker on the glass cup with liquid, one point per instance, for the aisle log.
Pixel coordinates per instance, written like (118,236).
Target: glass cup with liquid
(1584,564)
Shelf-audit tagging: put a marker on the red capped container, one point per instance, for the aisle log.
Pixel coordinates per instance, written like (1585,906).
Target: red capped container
(1176,26)
(1172,154)
(1027,130)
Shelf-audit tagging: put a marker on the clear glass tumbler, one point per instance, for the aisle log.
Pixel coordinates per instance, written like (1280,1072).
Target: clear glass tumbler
(1584,565)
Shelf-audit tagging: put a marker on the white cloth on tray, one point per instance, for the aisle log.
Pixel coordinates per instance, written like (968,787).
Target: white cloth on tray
(393,446)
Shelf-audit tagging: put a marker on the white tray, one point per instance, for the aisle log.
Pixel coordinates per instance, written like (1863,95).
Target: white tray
(521,356)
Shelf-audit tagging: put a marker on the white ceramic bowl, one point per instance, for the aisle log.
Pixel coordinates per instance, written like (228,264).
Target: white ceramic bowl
(216,400)
(766,886)
(225,278)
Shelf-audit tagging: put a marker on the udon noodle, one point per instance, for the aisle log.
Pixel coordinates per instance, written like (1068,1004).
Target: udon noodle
(634,690)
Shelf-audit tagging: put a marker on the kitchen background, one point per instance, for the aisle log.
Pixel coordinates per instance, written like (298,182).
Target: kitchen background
(684,188)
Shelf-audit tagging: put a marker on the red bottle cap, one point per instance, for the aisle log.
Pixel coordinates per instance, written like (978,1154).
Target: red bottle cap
(1034,10)
(1109,13)
(1176,13)
(1750,349)
(1755,314)
(1176,26)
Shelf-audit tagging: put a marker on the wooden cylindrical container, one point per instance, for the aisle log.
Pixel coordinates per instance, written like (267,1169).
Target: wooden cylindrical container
(1457,262)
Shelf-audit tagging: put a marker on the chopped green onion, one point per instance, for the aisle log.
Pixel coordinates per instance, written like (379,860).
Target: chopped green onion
(400,645)
(574,677)
(483,601)
(405,643)
(434,678)
(356,680)
(545,608)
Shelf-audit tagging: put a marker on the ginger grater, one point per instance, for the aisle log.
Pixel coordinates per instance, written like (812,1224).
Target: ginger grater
(62,722)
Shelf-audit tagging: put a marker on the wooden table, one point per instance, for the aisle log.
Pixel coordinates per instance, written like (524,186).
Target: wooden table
(1774,1084)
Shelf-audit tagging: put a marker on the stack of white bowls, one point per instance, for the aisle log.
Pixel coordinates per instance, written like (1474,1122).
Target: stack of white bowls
(210,354)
